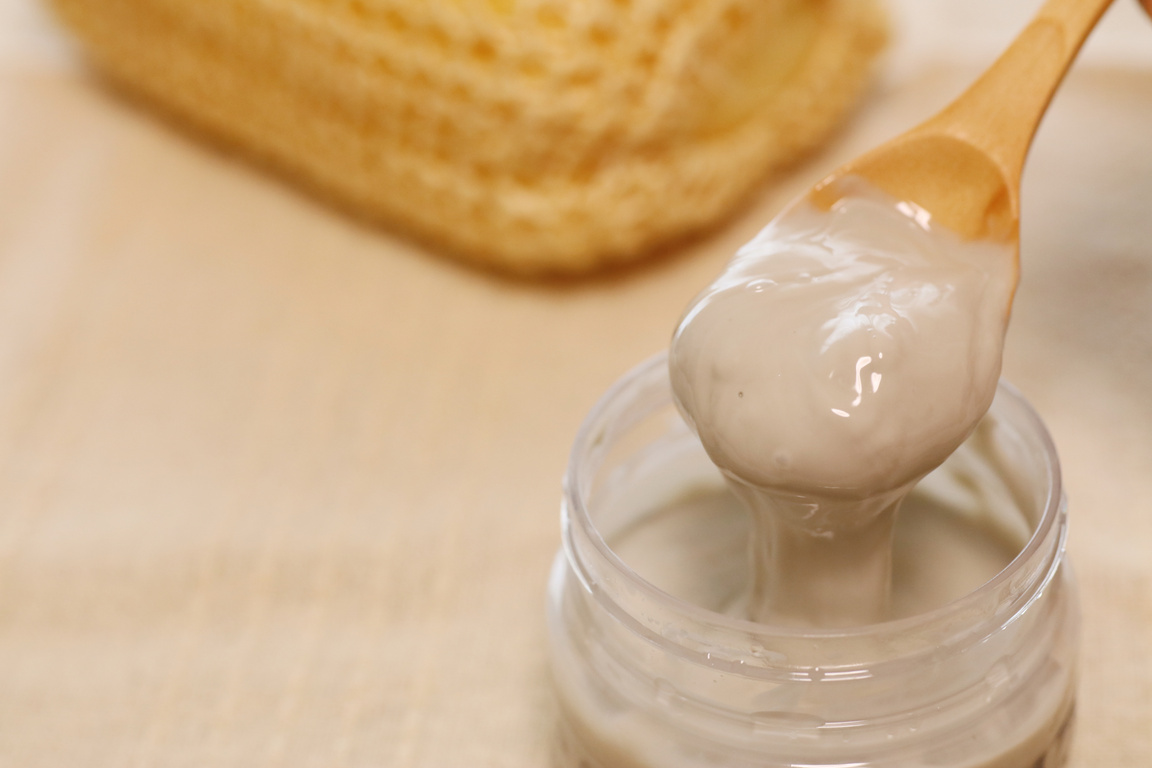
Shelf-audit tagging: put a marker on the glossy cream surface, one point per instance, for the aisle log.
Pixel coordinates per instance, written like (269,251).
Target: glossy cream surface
(841,356)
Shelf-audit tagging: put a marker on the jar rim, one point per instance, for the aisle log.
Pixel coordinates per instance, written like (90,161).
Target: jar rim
(649,372)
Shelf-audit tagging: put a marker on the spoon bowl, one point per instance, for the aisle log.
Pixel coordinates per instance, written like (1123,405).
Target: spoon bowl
(960,185)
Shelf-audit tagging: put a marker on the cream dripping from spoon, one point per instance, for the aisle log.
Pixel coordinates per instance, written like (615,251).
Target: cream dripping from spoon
(856,341)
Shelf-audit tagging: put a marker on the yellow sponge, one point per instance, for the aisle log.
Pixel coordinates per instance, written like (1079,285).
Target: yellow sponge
(531,135)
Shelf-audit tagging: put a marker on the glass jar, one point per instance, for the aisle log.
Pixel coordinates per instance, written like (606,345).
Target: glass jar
(646,679)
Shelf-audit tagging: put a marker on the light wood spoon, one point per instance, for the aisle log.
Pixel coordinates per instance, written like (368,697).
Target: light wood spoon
(963,166)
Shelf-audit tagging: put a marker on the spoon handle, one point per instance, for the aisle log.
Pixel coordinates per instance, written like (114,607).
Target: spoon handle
(1000,112)
(963,166)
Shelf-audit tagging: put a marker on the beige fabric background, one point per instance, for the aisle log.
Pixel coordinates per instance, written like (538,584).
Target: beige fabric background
(278,489)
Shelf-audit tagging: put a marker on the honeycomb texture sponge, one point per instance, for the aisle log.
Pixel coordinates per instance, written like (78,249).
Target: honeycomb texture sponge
(534,136)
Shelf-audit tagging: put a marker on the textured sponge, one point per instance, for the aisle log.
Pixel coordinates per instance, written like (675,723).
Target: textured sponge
(531,135)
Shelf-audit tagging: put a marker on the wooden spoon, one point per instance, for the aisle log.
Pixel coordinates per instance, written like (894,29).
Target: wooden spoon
(963,166)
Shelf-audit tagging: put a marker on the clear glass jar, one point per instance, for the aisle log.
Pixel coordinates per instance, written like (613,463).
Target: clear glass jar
(647,680)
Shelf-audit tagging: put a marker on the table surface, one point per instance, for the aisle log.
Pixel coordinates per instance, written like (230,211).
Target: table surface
(278,488)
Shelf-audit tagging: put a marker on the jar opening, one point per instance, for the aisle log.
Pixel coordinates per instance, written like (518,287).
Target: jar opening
(610,578)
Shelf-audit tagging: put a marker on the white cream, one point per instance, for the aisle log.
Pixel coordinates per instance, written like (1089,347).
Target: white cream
(957,529)
(841,356)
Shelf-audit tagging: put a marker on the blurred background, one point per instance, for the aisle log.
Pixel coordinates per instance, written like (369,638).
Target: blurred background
(280,487)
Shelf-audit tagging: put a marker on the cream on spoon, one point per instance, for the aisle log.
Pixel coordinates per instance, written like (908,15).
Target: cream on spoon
(855,343)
